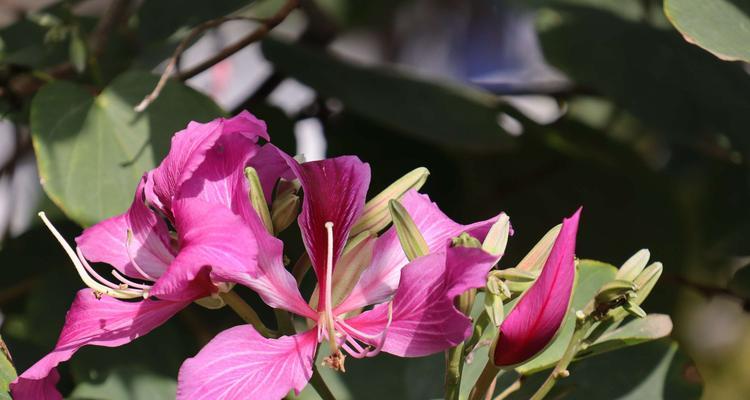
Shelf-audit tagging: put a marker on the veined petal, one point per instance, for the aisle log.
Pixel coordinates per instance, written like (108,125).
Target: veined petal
(425,319)
(535,320)
(212,239)
(334,191)
(138,235)
(379,281)
(96,321)
(219,179)
(239,363)
(37,389)
(188,151)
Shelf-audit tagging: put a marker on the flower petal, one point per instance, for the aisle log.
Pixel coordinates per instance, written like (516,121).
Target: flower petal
(425,319)
(379,281)
(535,320)
(102,322)
(148,245)
(334,191)
(239,363)
(188,151)
(212,239)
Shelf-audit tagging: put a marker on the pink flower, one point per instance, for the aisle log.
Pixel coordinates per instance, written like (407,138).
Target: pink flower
(535,320)
(193,190)
(414,314)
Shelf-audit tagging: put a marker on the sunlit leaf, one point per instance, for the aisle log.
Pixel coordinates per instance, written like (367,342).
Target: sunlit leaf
(92,151)
(719,26)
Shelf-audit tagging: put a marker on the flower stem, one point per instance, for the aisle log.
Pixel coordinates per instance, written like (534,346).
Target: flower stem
(301,267)
(514,387)
(246,312)
(485,380)
(561,369)
(453,368)
(320,386)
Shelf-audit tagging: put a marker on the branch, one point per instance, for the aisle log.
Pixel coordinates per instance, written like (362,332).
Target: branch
(112,16)
(260,32)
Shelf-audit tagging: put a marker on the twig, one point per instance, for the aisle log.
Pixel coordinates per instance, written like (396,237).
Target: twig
(112,16)
(253,37)
(708,290)
(257,34)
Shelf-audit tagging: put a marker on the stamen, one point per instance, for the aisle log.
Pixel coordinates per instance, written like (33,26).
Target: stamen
(128,282)
(380,338)
(132,259)
(93,272)
(82,271)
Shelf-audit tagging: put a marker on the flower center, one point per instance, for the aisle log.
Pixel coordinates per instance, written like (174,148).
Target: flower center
(125,289)
(337,329)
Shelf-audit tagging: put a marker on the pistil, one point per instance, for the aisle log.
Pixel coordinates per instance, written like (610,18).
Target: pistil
(336,359)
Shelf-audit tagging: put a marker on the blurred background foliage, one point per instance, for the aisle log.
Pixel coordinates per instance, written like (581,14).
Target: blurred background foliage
(533,107)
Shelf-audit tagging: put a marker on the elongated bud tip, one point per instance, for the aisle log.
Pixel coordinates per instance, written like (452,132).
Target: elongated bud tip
(535,320)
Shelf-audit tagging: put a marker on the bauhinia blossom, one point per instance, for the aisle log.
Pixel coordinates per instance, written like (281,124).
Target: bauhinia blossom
(535,320)
(180,241)
(413,315)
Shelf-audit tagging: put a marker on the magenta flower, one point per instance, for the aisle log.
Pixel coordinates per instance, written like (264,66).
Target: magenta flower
(414,314)
(535,320)
(193,191)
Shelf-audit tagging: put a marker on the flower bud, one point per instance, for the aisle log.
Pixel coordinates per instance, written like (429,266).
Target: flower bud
(375,215)
(497,238)
(257,198)
(466,240)
(284,210)
(615,290)
(539,253)
(411,239)
(535,320)
(635,264)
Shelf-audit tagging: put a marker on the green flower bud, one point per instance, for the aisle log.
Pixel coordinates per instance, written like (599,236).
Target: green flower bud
(635,264)
(411,239)
(258,199)
(497,237)
(375,215)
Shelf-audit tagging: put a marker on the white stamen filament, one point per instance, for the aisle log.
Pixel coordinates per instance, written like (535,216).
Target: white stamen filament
(83,272)
(132,259)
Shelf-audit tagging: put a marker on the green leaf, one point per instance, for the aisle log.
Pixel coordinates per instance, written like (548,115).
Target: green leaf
(639,330)
(447,114)
(128,384)
(590,277)
(673,86)
(720,26)
(92,151)
(7,371)
(653,371)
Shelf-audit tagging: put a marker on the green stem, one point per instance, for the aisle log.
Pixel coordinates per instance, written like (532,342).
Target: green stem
(246,312)
(284,321)
(514,387)
(561,369)
(301,267)
(320,386)
(453,368)
(485,380)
